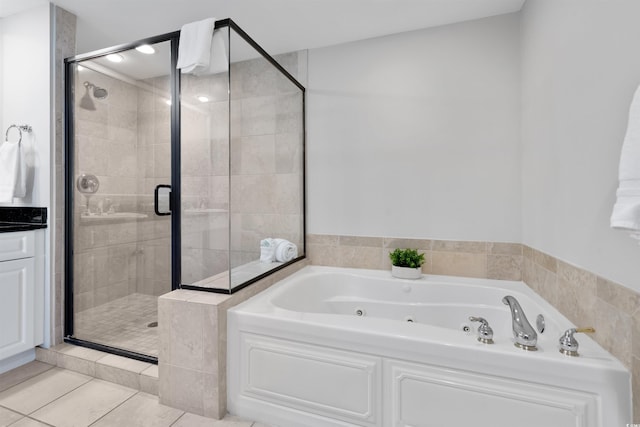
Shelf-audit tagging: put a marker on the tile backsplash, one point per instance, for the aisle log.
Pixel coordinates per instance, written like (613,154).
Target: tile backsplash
(583,297)
(455,258)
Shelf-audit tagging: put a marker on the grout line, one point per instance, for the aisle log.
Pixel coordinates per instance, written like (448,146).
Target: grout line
(34,419)
(179,418)
(62,395)
(114,408)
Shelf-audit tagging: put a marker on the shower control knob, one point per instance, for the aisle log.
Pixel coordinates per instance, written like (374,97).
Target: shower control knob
(485,333)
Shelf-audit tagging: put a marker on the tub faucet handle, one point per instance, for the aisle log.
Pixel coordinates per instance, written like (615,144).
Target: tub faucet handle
(568,343)
(485,333)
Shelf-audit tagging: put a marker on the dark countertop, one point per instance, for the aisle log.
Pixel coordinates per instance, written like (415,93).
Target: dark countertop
(22,218)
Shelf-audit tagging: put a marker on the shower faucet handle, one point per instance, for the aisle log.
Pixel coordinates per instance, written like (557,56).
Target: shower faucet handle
(568,343)
(485,333)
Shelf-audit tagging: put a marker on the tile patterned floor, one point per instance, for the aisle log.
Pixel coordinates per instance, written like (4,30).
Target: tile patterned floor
(122,323)
(40,395)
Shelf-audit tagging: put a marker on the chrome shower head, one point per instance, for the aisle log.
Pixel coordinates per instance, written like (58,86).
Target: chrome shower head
(99,93)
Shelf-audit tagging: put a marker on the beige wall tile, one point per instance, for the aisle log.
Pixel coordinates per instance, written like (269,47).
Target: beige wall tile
(547,261)
(576,275)
(181,388)
(359,257)
(323,239)
(613,331)
(369,242)
(618,296)
(459,246)
(211,337)
(393,243)
(577,302)
(504,248)
(323,254)
(504,267)
(459,264)
(527,270)
(545,283)
(212,405)
(186,348)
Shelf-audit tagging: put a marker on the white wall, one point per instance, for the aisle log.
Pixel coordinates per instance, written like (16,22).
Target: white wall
(581,66)
(25,71)
(25,98)
(416,134)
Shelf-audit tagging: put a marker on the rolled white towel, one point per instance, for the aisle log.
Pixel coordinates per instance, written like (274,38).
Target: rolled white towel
(267,250)
(285,250)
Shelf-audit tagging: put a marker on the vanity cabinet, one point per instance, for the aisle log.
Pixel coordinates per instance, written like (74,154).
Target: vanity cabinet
(21,292)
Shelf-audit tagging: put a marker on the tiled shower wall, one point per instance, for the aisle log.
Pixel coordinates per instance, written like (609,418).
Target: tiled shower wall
(105,266)
(65,46)
(266,154)
(583,297)
(125,142)
(205,176)
(153,158)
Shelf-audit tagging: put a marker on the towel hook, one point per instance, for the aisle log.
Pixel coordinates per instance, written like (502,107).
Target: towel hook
(20,128)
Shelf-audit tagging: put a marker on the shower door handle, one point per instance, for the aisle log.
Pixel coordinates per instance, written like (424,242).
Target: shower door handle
(162,200)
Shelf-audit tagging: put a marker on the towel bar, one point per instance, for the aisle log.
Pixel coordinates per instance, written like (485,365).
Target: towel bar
(20,128)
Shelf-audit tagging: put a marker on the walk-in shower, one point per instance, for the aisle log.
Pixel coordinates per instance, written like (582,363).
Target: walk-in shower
(185,177)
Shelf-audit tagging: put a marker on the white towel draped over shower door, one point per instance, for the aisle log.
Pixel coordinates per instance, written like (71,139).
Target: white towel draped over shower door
(626,211)
(13,172)
(202,50)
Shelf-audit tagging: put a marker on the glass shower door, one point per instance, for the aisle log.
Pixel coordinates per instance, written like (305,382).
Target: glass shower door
(122,146)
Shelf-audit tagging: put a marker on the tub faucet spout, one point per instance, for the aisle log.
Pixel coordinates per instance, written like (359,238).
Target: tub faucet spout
(524,334)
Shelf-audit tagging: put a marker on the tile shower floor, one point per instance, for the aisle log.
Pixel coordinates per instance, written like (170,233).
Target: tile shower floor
(39,395)
(122,323)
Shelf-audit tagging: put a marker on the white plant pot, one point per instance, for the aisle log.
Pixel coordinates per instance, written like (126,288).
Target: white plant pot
(406,272)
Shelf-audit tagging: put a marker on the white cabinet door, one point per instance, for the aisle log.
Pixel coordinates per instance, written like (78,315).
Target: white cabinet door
(16,306)
(16,245)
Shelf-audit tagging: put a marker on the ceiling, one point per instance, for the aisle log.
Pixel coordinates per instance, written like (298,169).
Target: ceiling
(277,25)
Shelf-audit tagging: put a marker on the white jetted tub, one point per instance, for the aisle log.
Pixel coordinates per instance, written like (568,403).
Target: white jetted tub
(348,347)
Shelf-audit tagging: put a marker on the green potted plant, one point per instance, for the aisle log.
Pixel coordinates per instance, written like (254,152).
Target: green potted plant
(406,263)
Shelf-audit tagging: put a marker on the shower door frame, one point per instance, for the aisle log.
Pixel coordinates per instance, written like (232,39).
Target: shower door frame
(69,314)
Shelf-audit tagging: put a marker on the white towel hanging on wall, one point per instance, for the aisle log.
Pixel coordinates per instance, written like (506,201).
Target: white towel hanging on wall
(13,173)
(626,211)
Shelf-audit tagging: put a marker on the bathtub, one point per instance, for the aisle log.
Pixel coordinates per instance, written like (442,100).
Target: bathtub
(349,347)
